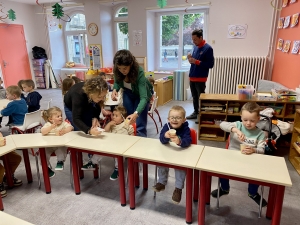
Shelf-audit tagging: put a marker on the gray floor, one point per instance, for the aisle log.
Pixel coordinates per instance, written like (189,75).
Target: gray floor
(99,203)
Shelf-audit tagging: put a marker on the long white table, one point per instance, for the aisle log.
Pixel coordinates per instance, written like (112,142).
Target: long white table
(256,168)
(107,144)
(6,219)
(152,151)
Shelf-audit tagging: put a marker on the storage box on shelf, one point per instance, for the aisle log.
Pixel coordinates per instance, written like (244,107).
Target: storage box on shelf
(226,107)
(294,155)
(39,72)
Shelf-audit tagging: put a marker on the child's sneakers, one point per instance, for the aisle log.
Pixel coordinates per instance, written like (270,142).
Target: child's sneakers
(158,187)
(89,166)
(16,181)
(50,173)
(3,192)
(214,193)
(177,195)
(115,174)
(257,198)
(59,165)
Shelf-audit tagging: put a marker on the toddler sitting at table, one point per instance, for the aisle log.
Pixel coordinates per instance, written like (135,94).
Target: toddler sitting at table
(253,138)
(56,126)
(117,125)
(178,132)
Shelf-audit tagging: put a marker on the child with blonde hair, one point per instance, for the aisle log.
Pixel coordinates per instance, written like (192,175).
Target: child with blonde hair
(117,125)
(57,126)
(33,97)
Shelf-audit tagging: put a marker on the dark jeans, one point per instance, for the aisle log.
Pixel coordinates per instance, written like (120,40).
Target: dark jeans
(130,102)
(252,188)
(69,116)
(196,89)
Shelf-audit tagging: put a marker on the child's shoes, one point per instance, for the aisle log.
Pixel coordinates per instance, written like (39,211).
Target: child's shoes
(3,192)
(16,181)
(89,166)
(177,195)
(115,174)
(214,193)
(50,173)
(257,198)
(59,165)
(158,187)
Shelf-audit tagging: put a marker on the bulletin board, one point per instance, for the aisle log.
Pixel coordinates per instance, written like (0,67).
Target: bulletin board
(96,59)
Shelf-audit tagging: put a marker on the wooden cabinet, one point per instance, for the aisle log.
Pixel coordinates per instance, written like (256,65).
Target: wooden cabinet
(294,155)
(226,107)
(164,91)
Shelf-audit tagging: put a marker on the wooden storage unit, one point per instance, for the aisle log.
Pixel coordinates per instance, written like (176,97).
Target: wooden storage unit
(294,155)
(164,91)
(226,107)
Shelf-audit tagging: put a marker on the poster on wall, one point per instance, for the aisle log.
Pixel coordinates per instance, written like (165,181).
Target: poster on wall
(296,47)
(237,31)
(96,60)
(137,38)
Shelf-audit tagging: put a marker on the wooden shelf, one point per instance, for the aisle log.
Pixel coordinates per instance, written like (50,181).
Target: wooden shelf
(216,113)
(297,129)
(279,116)
(212,138)
(210,125)
(233,114)
(295,164)
(292,116)
(296,147)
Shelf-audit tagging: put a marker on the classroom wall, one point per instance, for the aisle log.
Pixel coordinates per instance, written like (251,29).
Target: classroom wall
(286,70)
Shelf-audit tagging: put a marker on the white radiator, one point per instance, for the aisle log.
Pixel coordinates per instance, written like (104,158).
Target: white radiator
(230,71)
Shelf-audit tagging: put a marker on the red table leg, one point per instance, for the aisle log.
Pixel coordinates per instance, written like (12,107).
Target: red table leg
(75,171)
(145,176)
(196,185)
(278,205)
(121,181)
(189,195)
(271,200)
(27,165)
(208,190)
(45,170)
(136,174)
(8,172)
(96,173)
(201,202)
(80,164)
(1,205)
(131,184)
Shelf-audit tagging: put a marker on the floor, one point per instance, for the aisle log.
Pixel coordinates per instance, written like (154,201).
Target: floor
(99,203)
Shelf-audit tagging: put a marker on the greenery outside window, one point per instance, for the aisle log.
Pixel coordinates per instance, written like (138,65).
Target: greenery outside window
(121,18)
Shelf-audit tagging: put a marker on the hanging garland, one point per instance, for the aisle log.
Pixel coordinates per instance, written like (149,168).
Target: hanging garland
(11,15)
(161,3)
(2,17)
(57,11)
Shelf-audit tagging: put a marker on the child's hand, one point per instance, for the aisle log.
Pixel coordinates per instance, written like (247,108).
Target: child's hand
(62,132)
(53,125)
(167,134)
(175,139)
(240,135)
(112,123)
(95,123)
(248,150)
(94,131)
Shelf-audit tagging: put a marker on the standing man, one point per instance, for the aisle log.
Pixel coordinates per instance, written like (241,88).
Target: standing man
(201,61)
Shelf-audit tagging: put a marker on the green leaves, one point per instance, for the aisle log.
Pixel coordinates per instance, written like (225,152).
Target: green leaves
(57,11)
(11,15)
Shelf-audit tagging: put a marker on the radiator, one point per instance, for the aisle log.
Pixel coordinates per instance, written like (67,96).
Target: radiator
(228,72)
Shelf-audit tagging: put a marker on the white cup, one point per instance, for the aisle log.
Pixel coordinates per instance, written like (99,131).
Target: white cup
(172,132)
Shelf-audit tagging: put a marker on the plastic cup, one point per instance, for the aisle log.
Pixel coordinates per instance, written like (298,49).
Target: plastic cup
(2,142)
(172,132)
(242,147)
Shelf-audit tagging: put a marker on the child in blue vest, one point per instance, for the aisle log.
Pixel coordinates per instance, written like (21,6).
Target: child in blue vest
(33,98)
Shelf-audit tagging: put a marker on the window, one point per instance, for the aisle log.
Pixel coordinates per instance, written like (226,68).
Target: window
(121,18)
(76,38)
(176,37)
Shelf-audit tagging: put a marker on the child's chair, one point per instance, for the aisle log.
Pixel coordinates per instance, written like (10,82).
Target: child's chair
(194,142)
(152,110)
(31,122)
(218,196)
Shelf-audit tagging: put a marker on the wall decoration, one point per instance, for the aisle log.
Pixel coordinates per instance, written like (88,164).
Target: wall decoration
(296,47)
(286,21)
(285,3)
(57,11)
(295,19)
(96,59)
(237,31)
(286,46)
(11,15)
(280,44)
(137,38)
(3,15)
(52,23)
(280,22)
(161,3)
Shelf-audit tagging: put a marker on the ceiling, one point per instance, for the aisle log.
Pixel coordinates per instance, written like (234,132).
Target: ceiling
(33,2)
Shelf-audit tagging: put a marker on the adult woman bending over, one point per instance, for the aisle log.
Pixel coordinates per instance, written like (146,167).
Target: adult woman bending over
(137,89)
(84,100)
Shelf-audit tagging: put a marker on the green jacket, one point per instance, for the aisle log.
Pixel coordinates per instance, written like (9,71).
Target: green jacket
(142,88)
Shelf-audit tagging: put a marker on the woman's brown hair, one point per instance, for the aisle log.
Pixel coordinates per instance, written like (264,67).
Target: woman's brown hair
(66,85)
(125,58)
(95,85)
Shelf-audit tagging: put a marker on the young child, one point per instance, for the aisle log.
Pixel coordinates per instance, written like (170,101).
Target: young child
(33,98)
(103,76)
(17,108)
(57,126)
(246,133)
(66,85)
(118,125)
(183,139)
(2,96)
(14,160)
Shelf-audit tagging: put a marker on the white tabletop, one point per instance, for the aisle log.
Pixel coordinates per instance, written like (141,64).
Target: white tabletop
(109,143)
(171,154)
(9,147)
(109,101)
(6,219)
(270,169)
(37,140)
